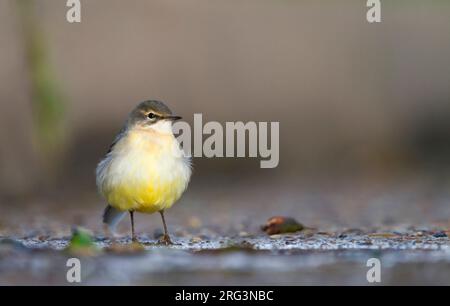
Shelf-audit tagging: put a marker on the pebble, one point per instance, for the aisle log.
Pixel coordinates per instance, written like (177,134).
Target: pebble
(196,240)
(440,235)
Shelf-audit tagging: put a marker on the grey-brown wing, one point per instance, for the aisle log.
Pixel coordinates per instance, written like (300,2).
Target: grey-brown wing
(117,139)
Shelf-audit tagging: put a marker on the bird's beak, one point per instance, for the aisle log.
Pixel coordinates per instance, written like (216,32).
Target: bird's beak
(173,118)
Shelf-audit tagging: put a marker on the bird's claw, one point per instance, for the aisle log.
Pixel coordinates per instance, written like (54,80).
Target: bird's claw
(166,240)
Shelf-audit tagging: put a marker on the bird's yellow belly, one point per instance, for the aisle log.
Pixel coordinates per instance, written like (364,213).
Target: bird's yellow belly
(144,196)
(145,179)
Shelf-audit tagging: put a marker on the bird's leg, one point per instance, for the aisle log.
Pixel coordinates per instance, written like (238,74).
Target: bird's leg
(166,238)
(133,234)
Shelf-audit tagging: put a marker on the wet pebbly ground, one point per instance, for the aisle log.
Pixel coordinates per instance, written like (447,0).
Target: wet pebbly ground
(404,223)
(310,257)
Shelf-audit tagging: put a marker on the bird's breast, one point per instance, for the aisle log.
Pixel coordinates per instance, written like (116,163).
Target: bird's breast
(145,172)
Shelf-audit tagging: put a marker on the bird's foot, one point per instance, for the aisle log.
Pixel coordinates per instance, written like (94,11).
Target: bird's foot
(166,240)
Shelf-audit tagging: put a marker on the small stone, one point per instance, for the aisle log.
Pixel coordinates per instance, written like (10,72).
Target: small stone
(366,242)
(440,235)
(243,234)
(196,240)
(281,225)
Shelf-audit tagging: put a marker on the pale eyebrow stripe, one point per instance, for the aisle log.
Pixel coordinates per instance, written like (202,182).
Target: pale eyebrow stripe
(152,111)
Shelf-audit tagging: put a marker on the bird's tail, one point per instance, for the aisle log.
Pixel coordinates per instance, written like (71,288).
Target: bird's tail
(112,217)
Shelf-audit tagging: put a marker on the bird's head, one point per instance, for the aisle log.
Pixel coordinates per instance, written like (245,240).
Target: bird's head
(152,114)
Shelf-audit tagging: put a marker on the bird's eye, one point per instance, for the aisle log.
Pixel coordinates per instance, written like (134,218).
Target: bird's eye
(151,116)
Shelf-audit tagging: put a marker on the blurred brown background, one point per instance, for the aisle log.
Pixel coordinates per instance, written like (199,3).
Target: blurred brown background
(364,109)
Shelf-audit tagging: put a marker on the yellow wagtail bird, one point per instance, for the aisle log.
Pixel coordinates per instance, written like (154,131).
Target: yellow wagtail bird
(145,170)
